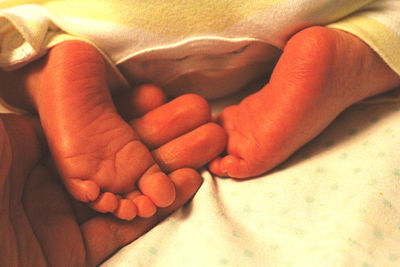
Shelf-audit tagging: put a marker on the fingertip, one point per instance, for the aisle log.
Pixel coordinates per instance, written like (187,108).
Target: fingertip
(148,97)
(159,188)
(193,149)
(139,101)
(199,104)
(187,181)
(220,135)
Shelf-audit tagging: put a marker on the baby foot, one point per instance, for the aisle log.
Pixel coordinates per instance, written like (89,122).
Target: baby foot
(98,154)
(320,73)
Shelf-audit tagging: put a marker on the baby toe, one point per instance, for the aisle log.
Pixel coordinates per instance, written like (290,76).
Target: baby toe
(232,166)
(145,207)
(82,190)
(126,210)
(106,202)
(215,167)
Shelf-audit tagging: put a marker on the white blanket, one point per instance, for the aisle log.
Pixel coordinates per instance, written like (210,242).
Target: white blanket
(336,202)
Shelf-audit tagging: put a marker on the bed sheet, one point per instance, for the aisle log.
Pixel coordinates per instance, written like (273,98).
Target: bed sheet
(335,202)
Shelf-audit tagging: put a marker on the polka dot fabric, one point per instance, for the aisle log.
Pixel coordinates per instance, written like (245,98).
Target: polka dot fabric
(336,202)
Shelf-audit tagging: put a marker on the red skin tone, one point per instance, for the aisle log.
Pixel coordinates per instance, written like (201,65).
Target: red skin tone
(303,96)
(320,73)
(103,160)
(56,228)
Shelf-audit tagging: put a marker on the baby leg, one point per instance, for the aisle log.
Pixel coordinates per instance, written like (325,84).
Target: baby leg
(320,73)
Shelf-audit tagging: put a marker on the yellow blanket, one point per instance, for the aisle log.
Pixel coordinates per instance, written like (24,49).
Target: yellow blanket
(161,41)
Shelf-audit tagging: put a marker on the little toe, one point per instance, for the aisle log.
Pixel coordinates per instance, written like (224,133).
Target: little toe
(126,210)
(106,202)
(159,188)
(145,207)
(83,190)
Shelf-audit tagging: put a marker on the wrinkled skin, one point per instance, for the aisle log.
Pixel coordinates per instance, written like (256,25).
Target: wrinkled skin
(41,224)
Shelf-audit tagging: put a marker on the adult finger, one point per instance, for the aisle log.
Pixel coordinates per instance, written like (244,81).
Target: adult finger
(171,120)
(193,149)
(139,101)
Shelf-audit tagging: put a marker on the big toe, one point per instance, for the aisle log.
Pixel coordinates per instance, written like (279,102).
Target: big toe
(235,167)
(83,190)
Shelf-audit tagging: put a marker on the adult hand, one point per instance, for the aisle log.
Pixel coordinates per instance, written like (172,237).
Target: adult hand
(40,224)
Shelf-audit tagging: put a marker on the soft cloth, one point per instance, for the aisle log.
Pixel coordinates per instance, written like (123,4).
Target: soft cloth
(336,203)
(208,47)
